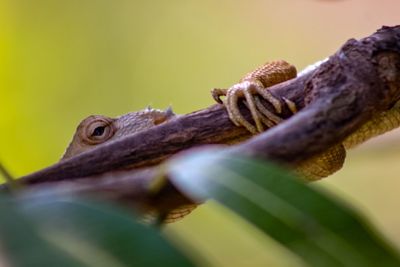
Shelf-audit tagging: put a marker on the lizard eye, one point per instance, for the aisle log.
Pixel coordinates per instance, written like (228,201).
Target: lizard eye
(97,129)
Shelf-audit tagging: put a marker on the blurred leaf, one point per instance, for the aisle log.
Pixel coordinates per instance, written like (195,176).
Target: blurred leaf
(67,232)
(311,223)
(23,245)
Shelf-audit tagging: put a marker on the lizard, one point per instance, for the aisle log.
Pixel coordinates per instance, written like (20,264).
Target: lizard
(96,129)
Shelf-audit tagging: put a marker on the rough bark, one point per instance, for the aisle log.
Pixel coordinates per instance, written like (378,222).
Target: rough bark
(361,79)
(208,126)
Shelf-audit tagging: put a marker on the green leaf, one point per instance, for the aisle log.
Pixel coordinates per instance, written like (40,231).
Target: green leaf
(311,223)
(68,232)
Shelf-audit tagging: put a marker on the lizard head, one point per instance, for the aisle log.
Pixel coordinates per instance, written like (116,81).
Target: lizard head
(97,129)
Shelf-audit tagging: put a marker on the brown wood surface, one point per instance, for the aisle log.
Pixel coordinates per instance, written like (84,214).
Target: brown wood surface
(208,126)
(361,79)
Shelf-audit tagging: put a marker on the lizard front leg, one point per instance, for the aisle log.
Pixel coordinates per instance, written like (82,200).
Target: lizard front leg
(252,86)
(255,85)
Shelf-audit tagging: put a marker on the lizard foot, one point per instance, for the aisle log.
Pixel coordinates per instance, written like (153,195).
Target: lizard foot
(252,87)
(251,92)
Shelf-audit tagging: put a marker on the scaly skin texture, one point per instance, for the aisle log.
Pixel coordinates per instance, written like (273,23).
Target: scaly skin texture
(379,124)
(332,160)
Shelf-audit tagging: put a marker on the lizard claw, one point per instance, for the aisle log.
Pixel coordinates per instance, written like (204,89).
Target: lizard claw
(253,86)
(217,93)
(249,91)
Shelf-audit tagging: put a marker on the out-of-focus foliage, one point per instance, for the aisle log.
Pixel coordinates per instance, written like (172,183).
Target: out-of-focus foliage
(318,228)
(38,230)
(73,233)
(63,60)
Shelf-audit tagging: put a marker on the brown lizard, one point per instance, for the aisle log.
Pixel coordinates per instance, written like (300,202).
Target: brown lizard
(96,130)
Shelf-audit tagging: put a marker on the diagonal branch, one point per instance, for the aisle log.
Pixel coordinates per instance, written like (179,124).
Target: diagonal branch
(208,126)
(360,80)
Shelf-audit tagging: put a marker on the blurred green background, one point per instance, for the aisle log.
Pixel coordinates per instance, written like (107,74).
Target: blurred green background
(61,61)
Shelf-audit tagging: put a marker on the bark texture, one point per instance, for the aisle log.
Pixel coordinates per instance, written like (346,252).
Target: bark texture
(361,79)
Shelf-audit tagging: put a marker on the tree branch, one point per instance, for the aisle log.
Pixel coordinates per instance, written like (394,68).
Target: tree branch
(208,126)
(360,80)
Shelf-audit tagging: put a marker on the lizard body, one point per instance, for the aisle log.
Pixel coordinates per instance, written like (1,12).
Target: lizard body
(96,130)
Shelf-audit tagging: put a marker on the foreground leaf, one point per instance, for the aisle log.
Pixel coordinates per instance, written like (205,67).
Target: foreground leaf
(311,223)
(67,232)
